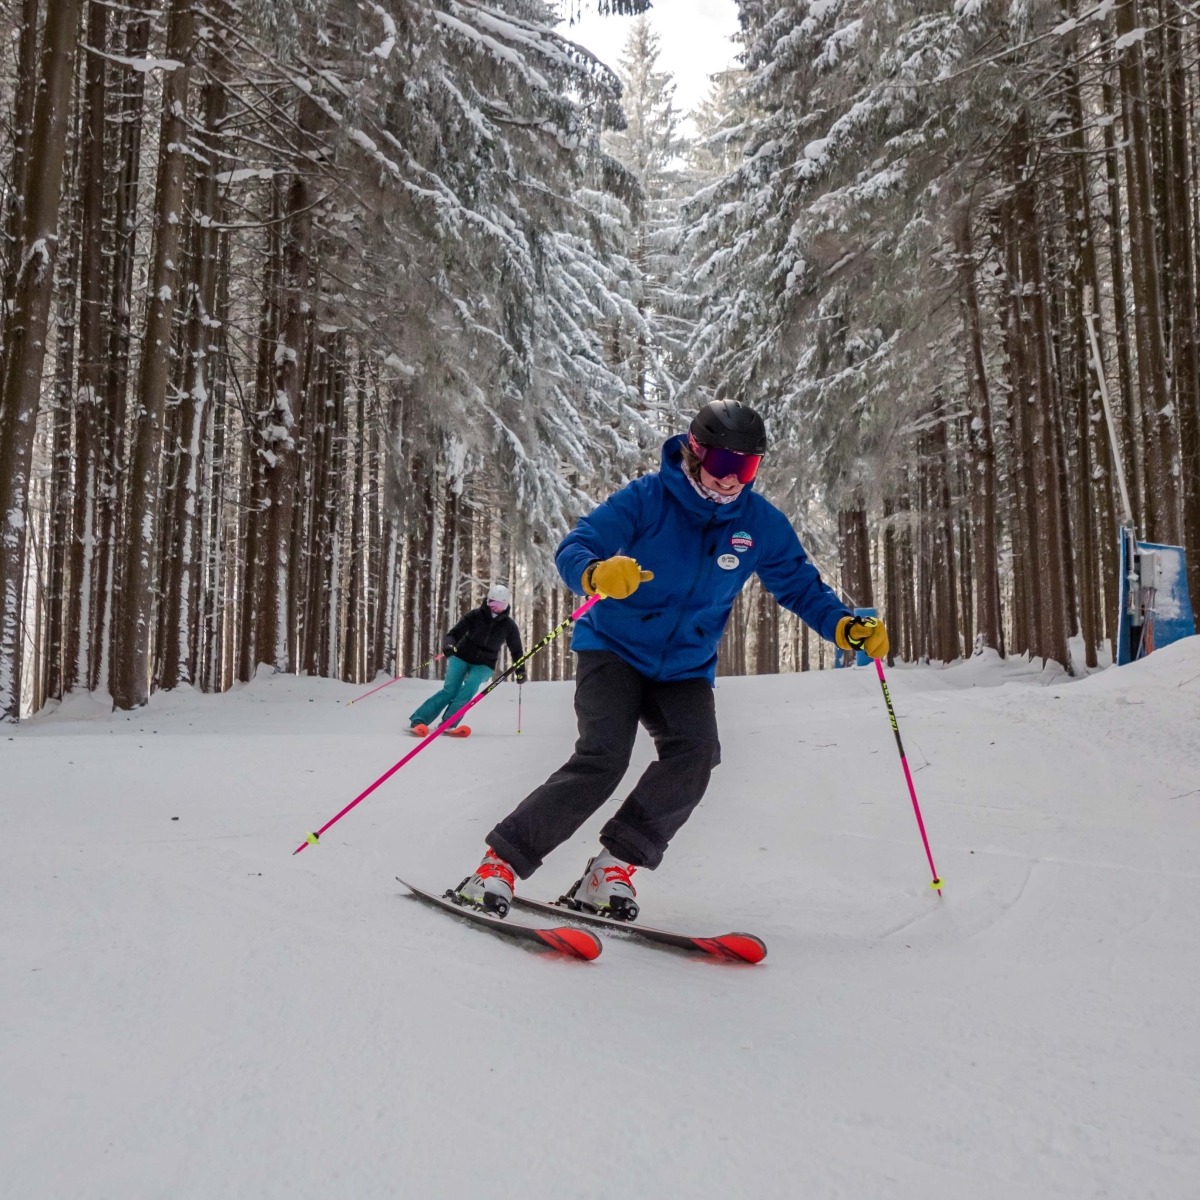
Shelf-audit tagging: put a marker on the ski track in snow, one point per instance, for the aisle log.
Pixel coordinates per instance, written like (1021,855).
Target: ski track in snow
(188,1011)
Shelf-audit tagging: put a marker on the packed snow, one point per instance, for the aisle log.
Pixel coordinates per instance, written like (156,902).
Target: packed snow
(189,1011)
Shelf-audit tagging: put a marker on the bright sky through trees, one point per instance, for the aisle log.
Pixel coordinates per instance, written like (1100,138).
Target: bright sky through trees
(695,41)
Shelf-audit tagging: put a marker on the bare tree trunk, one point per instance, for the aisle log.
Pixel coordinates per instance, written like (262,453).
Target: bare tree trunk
(253,539)
(891,580)
(1047,462)
(465,543)
(88,433)
(766,630)
(923,609)
(907,569)
(352,651)
(541,626)
(297,574)
(855,552)
(337,435)
(1160,494)
(385,642)
(945,641)
(1183,302)
(321,400)
(106,580)
(1082,263)
(131,676)
(254,498)
(423,566)
(376,584)
(1120,314)
(281,451)
(60,474)
(983,453)
(1025,519)
(213,619)
(182,600)
(22,135)
(445,598)
(26,329)
(966,548)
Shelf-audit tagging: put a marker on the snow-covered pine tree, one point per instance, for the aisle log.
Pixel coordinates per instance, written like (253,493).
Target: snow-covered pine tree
(651,148)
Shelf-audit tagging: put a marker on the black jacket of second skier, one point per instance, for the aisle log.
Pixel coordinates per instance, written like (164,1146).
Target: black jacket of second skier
(477,638)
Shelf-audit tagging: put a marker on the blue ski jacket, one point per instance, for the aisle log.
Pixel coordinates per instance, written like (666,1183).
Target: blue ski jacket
(701,554)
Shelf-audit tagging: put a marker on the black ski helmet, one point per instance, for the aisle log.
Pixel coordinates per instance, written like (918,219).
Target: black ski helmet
(730,425)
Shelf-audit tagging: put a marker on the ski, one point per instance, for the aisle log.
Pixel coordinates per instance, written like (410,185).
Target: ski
(728,947)
(572,943)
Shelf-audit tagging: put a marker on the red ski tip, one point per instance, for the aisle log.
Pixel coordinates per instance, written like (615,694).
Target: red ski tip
(578,943)
(744,947)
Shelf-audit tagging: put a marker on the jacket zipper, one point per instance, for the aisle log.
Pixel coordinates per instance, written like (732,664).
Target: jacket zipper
(683,607)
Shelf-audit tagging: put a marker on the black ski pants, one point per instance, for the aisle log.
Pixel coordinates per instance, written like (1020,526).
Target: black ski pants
(610,699)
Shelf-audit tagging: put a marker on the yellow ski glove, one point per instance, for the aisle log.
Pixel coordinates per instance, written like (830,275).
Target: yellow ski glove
(862,633)
(617,577)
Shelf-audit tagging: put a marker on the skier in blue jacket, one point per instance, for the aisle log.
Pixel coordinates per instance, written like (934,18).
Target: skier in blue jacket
(648,653)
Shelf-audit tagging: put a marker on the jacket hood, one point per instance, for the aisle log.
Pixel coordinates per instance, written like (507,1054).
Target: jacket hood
(672,472)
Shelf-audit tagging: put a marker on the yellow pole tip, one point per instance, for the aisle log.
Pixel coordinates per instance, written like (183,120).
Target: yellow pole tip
(936,885)
(312,839)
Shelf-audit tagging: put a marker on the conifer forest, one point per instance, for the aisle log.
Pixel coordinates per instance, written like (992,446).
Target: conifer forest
(320,316)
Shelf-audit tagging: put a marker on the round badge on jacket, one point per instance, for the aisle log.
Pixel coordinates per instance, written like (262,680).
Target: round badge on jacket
(728,561)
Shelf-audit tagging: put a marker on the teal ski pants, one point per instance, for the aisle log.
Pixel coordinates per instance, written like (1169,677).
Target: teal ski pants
(462,681)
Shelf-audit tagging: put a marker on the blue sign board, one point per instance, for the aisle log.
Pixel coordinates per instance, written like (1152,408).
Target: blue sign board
(1155,607)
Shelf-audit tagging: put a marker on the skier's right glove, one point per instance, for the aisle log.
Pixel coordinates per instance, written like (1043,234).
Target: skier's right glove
(448,648)
(617,577)
(862,633)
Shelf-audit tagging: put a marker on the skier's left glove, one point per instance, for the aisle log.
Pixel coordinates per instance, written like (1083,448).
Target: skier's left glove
(863,633)
(519,675)
(448,648)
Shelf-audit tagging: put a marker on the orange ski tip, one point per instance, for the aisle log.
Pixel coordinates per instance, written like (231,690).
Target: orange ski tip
(744,946)
(577,942)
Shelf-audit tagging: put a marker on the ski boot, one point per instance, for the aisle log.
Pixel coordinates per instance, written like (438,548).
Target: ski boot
(419,731)
(605,888)
(459,731)
(490,889)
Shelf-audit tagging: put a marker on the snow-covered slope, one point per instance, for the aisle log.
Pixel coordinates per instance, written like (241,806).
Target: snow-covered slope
(187,1011)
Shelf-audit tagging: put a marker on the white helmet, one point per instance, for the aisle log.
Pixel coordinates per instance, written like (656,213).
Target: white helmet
(499,592)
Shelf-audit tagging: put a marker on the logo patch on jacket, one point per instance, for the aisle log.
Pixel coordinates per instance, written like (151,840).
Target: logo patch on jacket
(727,562)
(741,542)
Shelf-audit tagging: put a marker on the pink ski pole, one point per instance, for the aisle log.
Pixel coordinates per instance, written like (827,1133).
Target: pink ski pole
(391,681)
(519,687)
(912,791)
(313,839)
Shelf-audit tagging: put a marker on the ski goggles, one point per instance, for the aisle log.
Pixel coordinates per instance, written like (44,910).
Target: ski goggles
(721,463)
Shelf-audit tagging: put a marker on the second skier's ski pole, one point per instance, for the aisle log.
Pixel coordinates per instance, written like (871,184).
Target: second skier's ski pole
(912,791)
(313,839)
(391,681)
(519,687)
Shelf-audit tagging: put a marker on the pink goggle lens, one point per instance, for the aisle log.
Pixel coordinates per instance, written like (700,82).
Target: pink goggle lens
(721,463)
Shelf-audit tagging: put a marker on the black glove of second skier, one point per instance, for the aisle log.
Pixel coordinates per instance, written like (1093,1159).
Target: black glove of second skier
(519,675)
(448,647)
